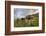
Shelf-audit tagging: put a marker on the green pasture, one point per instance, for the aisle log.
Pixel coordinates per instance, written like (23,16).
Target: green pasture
(30,23)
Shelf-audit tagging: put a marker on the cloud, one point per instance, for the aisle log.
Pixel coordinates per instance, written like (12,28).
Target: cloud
(22,12)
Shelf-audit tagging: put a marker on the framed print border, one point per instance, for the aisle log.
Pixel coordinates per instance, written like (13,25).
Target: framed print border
(8,17)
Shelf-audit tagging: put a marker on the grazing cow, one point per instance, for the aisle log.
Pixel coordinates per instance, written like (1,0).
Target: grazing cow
(29,18)
(22,18)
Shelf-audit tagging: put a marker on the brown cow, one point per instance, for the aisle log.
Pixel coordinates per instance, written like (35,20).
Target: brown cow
(29,18)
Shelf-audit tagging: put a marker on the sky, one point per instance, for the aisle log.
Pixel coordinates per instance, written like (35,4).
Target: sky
(22,12)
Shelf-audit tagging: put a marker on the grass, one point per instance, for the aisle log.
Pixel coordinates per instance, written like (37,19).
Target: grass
(29,23)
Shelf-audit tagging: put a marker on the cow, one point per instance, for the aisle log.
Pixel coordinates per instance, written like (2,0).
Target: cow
(29,18)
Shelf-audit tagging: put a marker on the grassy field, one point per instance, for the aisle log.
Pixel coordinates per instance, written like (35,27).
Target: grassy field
(22,23)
